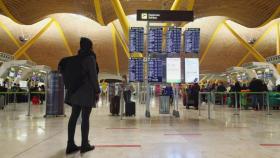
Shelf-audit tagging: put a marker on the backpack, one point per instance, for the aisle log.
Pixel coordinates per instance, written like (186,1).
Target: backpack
(72,72)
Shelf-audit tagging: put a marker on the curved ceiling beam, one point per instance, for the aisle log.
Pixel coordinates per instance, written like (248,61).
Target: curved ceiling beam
(29,43)
(65,41)
(98,11)
(267,31)
(252,50)
(9,33)
(272,17)
(278,38)
(211,41)
(124,45)
(7,12)
(115,49)
(121,15)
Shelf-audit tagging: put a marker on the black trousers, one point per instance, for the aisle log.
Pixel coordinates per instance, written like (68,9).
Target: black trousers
(76,110)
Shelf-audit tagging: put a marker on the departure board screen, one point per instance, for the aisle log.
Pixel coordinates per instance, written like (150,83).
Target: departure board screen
(155,40)
(136,70)
(173,70)
(173,40)
(192,40)
(191,70)
(136,39)
(155,73)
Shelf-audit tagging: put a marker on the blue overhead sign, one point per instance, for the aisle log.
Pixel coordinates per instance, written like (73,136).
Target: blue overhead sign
(173,40)
(192,40)
(155,40)
(155,73)
(136,70)
(136,39)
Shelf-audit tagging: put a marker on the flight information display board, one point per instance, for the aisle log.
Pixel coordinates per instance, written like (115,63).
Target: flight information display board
(192,40)
(155,40)
(136,39)
(173,40)
(136,70)
(173,70)
(191,70)
(155,73)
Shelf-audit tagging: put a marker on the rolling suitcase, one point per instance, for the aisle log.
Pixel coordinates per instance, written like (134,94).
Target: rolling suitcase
(115,105)
(130,109)
(2,102)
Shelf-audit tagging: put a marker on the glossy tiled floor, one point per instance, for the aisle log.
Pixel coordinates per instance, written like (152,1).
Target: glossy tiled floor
(250,135)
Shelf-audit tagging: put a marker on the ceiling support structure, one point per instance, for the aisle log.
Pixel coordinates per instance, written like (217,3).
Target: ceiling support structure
(98,11)
(211,41)
(272,17)
(121,16)
(190,5)
(278,38)
(267,31)
(124,45)
(29,43)
(7,12)
(15,41)
(59,28)
(252,50)
(115,49)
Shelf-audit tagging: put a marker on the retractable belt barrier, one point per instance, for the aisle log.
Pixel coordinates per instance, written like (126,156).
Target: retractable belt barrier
(5,98)
(239,99)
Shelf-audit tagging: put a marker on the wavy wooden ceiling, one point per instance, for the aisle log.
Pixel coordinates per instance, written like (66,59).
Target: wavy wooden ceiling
(49,49)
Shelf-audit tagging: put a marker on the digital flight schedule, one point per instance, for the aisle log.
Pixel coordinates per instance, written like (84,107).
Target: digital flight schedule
(136,39)
(155,73)
(192,40)
(173,40)
(155,40)
(136,70)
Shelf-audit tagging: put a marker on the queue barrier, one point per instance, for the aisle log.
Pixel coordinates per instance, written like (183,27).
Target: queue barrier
(27,94)
(266,99)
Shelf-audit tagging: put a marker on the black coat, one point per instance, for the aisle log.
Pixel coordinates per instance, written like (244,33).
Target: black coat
(86,94)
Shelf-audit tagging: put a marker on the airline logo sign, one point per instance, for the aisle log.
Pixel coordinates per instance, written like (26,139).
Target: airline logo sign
(273,59)
(164,15)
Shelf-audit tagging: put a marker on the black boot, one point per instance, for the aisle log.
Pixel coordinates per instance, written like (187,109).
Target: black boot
(72,147)
(86,147)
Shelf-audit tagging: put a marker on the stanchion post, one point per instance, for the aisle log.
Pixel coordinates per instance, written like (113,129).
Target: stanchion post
(267,103)
(209,117)
(29,104)
(235,109)
(199,103)
(14,101)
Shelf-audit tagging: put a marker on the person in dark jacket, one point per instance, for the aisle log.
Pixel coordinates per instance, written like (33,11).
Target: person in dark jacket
(195,93)
(256,85)
(84,97)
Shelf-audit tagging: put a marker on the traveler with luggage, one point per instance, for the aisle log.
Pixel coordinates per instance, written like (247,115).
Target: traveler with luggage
(81,82)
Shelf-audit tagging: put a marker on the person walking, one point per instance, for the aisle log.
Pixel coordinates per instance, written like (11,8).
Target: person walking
(82,91)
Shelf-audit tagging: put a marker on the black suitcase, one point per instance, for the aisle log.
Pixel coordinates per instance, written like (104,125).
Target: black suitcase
(115,105)
(130,109)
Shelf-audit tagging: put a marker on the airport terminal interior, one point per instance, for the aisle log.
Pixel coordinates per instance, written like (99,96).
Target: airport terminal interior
(177,78)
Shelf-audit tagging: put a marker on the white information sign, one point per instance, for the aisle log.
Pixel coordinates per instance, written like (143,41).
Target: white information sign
(173,70)
(191,70)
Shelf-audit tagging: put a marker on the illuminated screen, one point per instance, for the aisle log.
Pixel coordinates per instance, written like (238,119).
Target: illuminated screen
(173,70)
(191,70)
(23,84)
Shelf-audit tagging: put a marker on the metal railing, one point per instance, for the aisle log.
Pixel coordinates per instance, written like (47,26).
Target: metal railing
(210,98)
(15,99)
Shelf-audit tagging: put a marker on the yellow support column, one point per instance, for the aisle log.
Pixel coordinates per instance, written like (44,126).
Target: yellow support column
(115,49)
(57,25)
(9,33)
(29,43)
(122,17)
(220,26)
(278,43)
(267,31)
(7,12)
(124,45)
(252,50)
(98,11)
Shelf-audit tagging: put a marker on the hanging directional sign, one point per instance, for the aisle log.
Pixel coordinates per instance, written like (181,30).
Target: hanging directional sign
(173,40)
(136,39)
(155,73)
(136,70)
(164,15)
(155,40)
